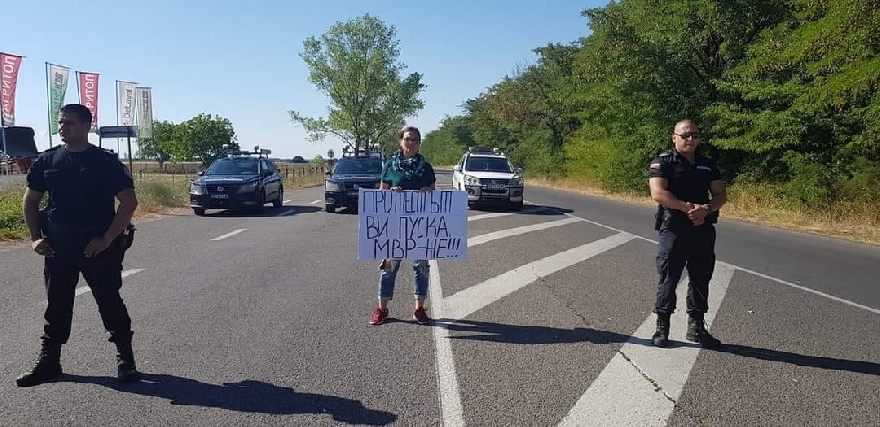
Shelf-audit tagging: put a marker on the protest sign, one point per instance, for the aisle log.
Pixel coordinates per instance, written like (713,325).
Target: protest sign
(412,224)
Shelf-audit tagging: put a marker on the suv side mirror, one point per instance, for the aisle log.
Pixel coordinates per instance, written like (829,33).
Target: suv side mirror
(518,171)
(327,172)
(201,173)
(457,168)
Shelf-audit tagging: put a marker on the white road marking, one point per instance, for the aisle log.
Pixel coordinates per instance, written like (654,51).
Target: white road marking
(470,300)
(642,383)
(83,289)
(500,234)
(762,275)
(227,235)
(288,213)
(315,202)
(285,202)
(502,214)
(447,382)
(815,292)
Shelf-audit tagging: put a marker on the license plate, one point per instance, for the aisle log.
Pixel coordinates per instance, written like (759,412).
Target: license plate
(219,196)
(496,186)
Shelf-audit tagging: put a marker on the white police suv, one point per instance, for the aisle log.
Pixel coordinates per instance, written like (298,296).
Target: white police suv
(488,177)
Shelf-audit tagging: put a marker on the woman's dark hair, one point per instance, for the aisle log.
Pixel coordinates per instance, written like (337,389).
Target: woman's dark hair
(409,129)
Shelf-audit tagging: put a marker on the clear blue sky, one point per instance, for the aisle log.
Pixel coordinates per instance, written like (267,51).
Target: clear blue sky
(240,59)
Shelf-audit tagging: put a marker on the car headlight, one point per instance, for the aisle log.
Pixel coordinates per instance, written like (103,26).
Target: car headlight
(515,182)
(248,188)
(471,180)
(196,189)
(332,186)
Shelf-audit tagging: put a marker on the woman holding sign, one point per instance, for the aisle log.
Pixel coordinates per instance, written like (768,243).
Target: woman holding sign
(405,170)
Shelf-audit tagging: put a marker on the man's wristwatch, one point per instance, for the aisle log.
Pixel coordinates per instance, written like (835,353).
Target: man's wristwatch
(708,208)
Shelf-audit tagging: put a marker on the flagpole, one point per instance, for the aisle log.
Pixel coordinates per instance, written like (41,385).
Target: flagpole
(49,109)
(117,115)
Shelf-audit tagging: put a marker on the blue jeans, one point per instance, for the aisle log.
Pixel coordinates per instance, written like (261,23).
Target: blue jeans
(388,277)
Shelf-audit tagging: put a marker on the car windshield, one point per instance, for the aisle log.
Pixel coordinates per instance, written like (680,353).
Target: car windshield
(488,164)
(370,166)
(233,167)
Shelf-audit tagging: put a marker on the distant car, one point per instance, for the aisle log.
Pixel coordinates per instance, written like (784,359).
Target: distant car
(488,177)
(238,181)
(350,174)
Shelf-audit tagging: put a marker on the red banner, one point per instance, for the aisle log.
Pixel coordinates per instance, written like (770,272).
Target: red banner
(88,95)
(9,65)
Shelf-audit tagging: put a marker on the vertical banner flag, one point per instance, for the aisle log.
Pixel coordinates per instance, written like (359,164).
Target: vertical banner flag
(88,95)
(144,113)
(9,66)
(57,76)
(125,102)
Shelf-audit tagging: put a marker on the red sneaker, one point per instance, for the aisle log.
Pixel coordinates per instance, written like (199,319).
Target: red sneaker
(379,316)
(421,316)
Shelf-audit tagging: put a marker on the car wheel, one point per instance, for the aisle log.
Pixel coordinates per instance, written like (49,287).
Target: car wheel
(330,208)
(199,211)
(280,200)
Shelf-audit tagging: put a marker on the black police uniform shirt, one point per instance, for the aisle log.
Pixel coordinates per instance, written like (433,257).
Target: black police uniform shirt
(688,181)
(82,185)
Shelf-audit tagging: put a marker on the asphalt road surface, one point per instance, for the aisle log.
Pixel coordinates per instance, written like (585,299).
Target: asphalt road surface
(262,320)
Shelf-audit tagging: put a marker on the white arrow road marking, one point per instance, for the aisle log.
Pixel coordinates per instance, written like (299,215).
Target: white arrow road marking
(467,301)
(227,235)
(83,289)
(495,235)
(502,214)
(642,383)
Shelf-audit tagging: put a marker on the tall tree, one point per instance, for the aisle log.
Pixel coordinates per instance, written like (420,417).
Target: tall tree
(160,145)
(203,137)
(355,64)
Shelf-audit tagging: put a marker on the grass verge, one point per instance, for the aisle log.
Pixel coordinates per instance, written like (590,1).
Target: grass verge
(157,194)
(854,222)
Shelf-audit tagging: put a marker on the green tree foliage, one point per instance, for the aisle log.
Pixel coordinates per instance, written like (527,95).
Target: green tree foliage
(785,92)
(159,146)
(200,138)
(355,64)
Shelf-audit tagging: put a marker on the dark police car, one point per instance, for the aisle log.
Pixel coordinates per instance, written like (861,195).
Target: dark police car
(351,173)
(236,182)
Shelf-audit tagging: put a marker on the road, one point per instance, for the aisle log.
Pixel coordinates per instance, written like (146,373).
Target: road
(262,320)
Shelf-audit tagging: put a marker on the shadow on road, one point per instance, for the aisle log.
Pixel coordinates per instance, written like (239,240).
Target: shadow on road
(516,334)
(821,362)
(245,396)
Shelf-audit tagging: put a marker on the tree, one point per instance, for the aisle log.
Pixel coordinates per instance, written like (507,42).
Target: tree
(355,64)
(318,160)
(203,137)
(160,145)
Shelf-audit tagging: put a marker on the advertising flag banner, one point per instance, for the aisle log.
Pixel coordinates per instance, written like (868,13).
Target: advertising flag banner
(144,112)
(88,95)
(125,103)
(9,66)
(57,76)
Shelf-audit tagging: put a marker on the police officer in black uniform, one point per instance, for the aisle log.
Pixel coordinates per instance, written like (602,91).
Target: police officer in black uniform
(681,181)
(81,231)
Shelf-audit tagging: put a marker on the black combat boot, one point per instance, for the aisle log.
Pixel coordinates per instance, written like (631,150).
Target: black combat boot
(661,335)
(697,332)
(126,370)
(47,368)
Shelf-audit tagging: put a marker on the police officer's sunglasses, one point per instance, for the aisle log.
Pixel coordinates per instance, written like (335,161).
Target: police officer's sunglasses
(689,135)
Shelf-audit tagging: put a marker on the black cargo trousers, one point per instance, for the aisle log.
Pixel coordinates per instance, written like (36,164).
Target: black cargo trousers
(683,246)
(103,275)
